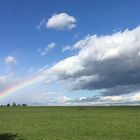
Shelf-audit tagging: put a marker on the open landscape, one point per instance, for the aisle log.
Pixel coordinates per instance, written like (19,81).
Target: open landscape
(70,123)
(69,69)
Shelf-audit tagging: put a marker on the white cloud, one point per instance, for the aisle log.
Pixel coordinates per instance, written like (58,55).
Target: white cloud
(82,43)
(82,98)
(101,100)
(7,81)
(3,78)
(47,49)
(63,99)
(112,98)
(61,21)
(67,48)
(136,97)
(79,45)
(41,24)
(52,45)
(102,62)
(10,60)
(108,62)
(43,68)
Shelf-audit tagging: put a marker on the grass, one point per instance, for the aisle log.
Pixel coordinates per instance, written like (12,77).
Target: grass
(70,123)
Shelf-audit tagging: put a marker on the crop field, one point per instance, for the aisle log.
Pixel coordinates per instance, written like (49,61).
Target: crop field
(70,123)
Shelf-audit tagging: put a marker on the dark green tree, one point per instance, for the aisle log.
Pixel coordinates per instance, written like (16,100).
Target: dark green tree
(14,104)
(24,104)
(8,105)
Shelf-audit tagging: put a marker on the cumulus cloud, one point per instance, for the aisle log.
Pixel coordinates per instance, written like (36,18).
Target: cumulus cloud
(61,21)
(103,62)
(98,100)
(47,49)
(63,99)
(10,60)
(131,99)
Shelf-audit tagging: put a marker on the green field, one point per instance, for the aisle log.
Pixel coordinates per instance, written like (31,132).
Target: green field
(70,123)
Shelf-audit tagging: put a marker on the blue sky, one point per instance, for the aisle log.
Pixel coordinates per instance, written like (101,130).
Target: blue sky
(30,45)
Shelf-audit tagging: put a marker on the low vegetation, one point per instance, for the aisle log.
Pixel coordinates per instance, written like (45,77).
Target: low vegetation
(70,123)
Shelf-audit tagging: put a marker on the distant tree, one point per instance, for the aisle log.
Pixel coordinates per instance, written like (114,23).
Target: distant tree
(8,105)
(14,104)
(24,104)
(1,106)
(18,104)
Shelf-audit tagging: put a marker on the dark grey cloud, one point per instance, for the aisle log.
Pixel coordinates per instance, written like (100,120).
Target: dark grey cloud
(110,62)
(118,90)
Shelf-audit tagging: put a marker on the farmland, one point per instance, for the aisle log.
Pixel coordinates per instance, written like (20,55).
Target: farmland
(70,123)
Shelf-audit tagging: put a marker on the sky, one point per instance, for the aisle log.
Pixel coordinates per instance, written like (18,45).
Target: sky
(70,52)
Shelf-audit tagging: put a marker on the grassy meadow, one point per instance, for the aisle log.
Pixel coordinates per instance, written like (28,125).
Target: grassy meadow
(70,123)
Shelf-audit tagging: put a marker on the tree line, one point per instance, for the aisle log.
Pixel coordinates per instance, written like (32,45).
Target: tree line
(13,105)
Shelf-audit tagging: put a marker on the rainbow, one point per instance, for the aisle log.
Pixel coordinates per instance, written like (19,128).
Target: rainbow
(21,85)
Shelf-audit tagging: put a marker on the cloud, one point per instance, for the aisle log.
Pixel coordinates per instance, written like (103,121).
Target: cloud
(4,81)
(122,89)
(10,60)
(97,100)
(103,62)
(112,98)
(3,78)
(86,99)
(82,43)
(136,96)
(131,99)
(7,80)
(79,45)
(67,48)
(61,21)
(63,99)
(51,45)
(41,24)
(47,49)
